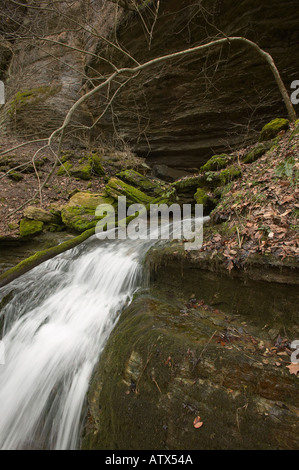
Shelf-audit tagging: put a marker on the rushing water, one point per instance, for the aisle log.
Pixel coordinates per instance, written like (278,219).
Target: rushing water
(56,325)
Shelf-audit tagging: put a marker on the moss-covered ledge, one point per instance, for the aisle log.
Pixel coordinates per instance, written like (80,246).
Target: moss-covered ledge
(41,256)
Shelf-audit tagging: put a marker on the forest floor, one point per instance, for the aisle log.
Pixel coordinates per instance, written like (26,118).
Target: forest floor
(260,210)
(14,193)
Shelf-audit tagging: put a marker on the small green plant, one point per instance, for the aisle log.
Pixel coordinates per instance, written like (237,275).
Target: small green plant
(265,229)
(288,170)
(210,176)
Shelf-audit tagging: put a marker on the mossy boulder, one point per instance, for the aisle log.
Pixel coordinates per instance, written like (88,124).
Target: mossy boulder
(30,227)
(189,184)
(217,162)
(257,152)
(8,162)
(273,128)
(117,187)
(79,213)
(78,218)
(82,172)
(150,187)
(42,215)
(67,155)
(90,200)
(55,209)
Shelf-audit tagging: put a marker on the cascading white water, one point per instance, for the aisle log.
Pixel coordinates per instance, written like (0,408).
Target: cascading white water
(56,326)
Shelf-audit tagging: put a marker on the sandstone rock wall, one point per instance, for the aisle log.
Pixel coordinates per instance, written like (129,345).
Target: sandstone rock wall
(183,112)
(179,113)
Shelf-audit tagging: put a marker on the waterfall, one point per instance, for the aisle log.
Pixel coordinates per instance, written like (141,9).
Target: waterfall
(55,328)
(56,325)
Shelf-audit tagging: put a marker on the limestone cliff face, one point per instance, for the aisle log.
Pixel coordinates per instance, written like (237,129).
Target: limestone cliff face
(178,113)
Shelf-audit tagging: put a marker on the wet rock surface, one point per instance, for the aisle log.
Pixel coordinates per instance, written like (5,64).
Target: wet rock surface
(169,362)
(14,250)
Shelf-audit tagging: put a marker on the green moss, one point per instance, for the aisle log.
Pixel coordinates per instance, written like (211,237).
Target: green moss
(66,156)
(15,175)
(273,128)
(229,174)
(82,172)
(42,215)
(150,187)
(190,183)
(96,164)
(13,226)
(221,178)
(79,214)
(257,152)
(34,95)
(54,227)
(217,162)
(64,169)
(117,187)
(79,218)
(30,227)
(89,200)
(201,197)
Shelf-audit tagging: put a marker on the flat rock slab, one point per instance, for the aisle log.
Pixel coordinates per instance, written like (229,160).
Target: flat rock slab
(166,364)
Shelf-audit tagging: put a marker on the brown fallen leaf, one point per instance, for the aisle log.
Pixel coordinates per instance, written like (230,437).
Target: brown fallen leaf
(168,361)
(287,199)
(293,368)
(197,423)
(217,237)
